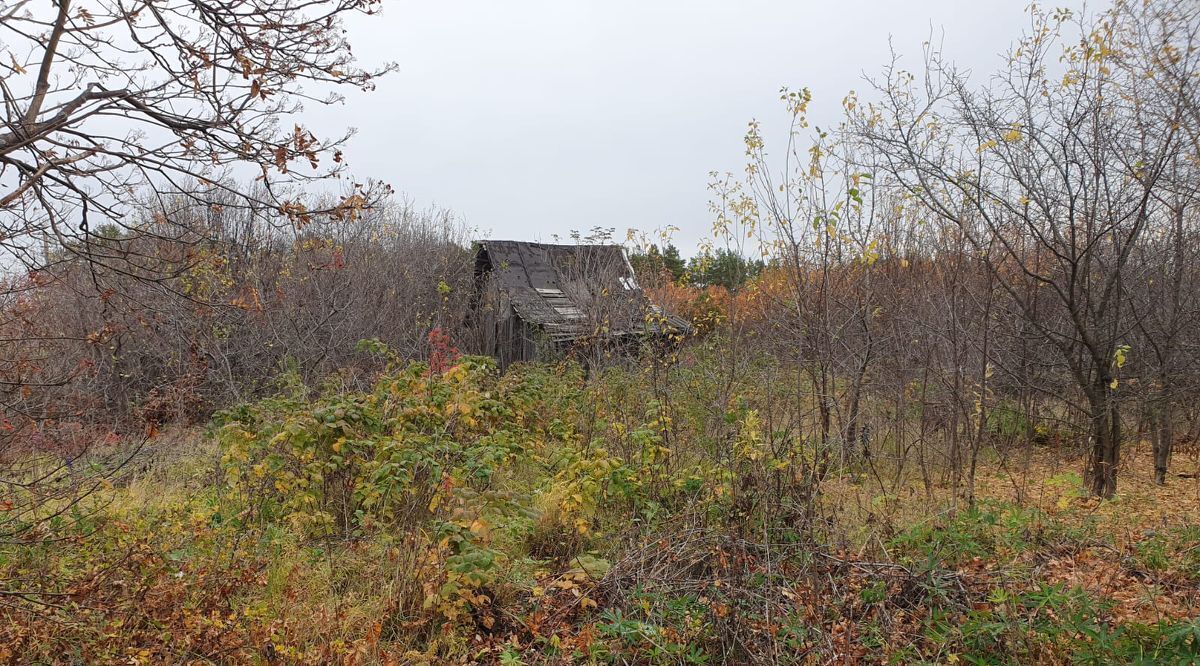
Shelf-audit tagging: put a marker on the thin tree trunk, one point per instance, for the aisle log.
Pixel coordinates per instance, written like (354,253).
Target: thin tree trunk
(1104,452)
(1162,438)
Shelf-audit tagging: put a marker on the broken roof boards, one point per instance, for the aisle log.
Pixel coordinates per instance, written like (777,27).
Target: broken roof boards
(567,292)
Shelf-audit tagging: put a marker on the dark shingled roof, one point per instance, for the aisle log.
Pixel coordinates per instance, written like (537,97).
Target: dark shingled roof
(558,286)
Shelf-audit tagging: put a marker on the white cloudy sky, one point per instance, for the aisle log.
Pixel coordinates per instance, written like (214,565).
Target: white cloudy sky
(531,118)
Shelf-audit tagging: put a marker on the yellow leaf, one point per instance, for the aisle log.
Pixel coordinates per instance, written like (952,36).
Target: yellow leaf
(987,145)
(1119,355)
(1013,135)
(479,527)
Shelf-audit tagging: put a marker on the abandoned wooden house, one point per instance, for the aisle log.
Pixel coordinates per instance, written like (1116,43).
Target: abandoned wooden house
(536,300)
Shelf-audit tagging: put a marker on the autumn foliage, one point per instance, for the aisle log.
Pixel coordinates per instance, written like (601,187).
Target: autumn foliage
(922,352)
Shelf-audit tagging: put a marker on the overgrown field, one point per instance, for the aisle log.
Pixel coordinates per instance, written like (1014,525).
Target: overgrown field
(657,515)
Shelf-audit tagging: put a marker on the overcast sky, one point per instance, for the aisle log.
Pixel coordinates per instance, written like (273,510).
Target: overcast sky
(533,118)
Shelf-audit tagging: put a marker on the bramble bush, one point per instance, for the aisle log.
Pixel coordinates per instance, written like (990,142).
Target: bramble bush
(423,451)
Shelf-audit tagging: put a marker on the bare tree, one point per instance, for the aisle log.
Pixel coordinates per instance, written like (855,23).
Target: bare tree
(1159,52)
(1050,172)
(106,97)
